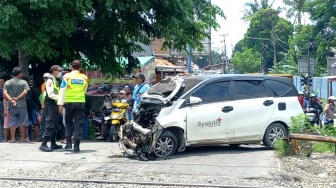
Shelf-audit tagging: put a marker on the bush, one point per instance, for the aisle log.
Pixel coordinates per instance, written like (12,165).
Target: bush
(282,147)
(301,125)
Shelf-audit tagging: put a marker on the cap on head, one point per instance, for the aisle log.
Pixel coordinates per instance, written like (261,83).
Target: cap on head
(16,71)
(55,68)
(46,75)
(301,93)
(122,92)
(139,75)
(126,87)
(114,91)
(76,63)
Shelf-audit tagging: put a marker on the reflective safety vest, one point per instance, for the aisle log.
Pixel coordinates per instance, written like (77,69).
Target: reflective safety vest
(47,100)
(76,87)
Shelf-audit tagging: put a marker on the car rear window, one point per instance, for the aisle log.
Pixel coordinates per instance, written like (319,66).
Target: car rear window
(280,89)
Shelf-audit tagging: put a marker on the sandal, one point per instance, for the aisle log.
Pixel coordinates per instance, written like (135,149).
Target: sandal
(11,141)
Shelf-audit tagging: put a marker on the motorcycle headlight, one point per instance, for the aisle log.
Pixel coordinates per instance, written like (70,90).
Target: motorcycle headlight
(114,116)
(107,118)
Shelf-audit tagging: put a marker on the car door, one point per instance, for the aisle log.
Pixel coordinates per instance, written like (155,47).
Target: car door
(210,119)
(253,108)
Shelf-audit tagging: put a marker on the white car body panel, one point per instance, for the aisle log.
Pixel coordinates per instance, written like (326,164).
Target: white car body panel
(207,124)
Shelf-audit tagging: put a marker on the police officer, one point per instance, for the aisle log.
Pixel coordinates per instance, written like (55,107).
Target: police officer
(72,96)
(51,110)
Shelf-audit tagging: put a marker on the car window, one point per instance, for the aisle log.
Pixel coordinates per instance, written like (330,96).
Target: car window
(249,89)
(214,92)
(280,89)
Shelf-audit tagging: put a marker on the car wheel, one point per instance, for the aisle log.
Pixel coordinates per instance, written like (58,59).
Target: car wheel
(166,144)
(273,132)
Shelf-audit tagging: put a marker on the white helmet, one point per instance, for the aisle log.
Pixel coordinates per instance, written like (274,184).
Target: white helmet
(332,98)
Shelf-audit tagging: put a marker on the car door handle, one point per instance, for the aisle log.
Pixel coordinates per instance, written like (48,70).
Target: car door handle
(227,109)
(268,103)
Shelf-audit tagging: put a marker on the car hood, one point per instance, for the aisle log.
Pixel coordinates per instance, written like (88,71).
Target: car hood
(166,90)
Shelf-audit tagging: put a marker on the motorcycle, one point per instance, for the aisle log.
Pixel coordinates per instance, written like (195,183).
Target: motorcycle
(117,116)
(313,116)
(96,124)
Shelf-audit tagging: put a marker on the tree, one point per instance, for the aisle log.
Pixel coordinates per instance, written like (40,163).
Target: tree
(252,8)
(102,30)
(238,47)
(296,9)
(248,61)
(265,31)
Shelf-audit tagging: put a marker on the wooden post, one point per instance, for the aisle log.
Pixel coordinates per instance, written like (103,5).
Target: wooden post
(312,137)
(293,144)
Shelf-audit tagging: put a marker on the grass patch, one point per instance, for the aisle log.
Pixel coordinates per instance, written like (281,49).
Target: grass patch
(282,147)
(323,147)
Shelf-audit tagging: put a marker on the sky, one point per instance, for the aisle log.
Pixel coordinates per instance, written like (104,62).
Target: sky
(233,26)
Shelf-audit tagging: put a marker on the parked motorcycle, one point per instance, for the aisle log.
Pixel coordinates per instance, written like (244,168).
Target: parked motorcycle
(116,118)
(96,124)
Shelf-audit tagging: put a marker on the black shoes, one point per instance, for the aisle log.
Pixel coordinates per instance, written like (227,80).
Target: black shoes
(44,147)
(68,146)
(76,146)
(53,143)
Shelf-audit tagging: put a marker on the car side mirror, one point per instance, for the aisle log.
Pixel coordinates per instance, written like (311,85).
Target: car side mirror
(194,100)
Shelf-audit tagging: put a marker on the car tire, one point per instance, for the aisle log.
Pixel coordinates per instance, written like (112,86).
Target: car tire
(166,144)
(272,133)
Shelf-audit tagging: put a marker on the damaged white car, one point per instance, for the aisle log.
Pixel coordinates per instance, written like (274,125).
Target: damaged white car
(209,110)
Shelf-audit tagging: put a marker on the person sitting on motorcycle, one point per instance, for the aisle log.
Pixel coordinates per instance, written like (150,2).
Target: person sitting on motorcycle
(122,97)
(330,110)
(107,104)
(114,94)
(302,100)
(313,103)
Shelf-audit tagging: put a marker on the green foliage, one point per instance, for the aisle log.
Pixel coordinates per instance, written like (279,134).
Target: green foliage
(248,61)
(323,147)
(91,132)
(282,147)
(295,9)
(251,8)
(286,66)
(300,124)
(102,30)
(259,35)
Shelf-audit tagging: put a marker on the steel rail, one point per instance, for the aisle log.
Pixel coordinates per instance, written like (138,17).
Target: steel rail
(149,183)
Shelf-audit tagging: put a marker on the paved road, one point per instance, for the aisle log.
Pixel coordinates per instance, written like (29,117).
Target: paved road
(243,162)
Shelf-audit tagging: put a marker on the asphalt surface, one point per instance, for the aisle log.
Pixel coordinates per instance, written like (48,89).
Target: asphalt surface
(243,162)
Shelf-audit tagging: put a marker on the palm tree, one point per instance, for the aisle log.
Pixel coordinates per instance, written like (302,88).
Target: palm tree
(252,8)
(295,10)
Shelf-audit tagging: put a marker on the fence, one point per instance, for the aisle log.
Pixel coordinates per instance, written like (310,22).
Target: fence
(320,86)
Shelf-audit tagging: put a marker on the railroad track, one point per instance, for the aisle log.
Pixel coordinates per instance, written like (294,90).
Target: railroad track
(124,182)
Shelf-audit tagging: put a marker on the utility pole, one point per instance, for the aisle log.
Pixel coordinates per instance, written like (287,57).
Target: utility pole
(308,67)
(274,51)
(224,52)
(189,59)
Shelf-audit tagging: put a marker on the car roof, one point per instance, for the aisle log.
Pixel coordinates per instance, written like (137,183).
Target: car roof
(236,77)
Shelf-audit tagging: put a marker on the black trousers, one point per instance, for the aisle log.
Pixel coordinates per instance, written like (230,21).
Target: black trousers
(51,120)
(74,120)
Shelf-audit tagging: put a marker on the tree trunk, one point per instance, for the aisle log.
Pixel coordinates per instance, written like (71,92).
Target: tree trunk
(23,63)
